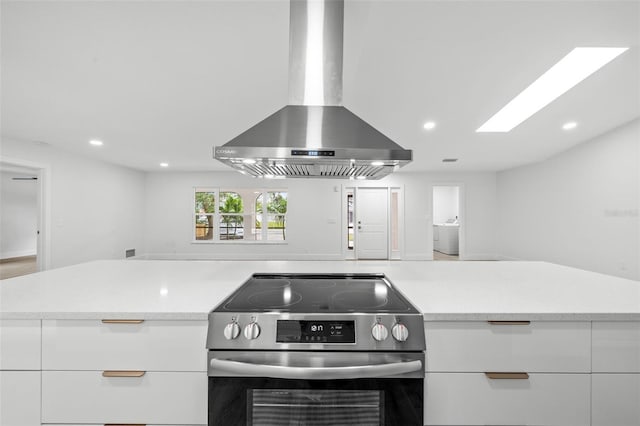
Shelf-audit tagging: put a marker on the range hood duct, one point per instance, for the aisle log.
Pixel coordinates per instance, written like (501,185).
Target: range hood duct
(314,136)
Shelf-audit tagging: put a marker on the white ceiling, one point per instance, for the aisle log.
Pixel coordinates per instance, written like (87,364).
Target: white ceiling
(166,80)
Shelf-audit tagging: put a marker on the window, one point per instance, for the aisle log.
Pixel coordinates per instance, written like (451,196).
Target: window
(205,209)
(276,215)
(231,217)
(239,215)
(350,229)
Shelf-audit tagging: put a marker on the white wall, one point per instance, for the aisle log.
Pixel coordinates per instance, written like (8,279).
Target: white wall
(314,228)
(579,208)
(169,206)
(96,209)
(445,203)
(18,215)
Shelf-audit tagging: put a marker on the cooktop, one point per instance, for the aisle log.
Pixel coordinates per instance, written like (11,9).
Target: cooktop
(317,293)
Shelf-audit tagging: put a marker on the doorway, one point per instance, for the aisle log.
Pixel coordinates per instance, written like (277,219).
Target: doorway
(373,222)
(446,222)
(24,247)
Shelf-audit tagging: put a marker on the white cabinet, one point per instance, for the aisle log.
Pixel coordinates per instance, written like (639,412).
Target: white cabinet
(146,345)
(124,372)
(475,399)
(508,373)
(445,239)
(19,372)
(480,346)
(616,347)
(616,373)
(615,399)
(19,398)
(155,397)
(19,344)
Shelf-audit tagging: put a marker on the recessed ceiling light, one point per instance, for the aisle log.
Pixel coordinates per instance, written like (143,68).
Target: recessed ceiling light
(449,160)
(164,164)
(570,125)
(377,163)
(96,142)
(579,64)
(249,161)
(429,125)
(269,176)
(361,177)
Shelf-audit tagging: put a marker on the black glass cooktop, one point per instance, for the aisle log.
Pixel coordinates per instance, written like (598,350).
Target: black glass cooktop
(314,293)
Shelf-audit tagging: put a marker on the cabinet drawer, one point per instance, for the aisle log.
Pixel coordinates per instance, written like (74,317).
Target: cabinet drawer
(19,398)
(615,399)
(474,399)
(479,346)
(88,397)
(616,347)
(20,345)
(149,345)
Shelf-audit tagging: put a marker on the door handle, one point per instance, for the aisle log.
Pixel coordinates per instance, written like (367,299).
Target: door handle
(506,376)
(316,373)
(123,373)
(124,424)
(122,321)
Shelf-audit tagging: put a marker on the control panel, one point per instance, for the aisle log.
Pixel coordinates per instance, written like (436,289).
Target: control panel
(294,331)
(339,332)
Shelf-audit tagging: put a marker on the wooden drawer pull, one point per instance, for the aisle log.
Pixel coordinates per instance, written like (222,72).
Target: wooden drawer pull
(122,321)
(507,376)
(123,373)
(509,322)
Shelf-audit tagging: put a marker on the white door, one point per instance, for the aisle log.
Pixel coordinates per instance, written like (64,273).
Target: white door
(372,239)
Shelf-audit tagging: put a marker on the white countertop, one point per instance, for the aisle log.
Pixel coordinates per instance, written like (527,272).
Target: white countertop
(162,289)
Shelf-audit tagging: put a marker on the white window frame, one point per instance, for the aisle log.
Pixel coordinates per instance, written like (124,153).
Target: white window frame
(217,215)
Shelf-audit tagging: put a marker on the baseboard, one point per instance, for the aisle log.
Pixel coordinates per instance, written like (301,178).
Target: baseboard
(220,256)
(425,256)
(507,258)
(17,255)
(480,256)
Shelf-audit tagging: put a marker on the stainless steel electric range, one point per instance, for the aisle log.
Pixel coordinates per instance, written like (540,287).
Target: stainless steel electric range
(316,349)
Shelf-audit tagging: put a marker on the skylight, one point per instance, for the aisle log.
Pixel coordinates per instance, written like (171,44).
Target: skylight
(579,64)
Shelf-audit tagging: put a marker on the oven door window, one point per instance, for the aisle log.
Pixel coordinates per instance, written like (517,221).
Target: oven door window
(261,401)
(317,407)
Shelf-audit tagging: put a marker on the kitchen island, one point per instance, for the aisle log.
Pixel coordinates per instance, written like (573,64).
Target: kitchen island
(507,342)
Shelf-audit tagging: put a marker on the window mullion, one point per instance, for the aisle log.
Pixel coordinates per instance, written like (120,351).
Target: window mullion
(265,216)
(216,216)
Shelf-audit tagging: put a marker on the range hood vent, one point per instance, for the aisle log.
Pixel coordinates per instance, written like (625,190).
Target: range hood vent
(314,136)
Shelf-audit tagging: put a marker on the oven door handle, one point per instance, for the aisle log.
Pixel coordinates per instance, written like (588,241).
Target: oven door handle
(238,368)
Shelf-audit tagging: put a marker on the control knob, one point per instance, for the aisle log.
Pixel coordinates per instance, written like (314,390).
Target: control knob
(252,330)
(379,332)
(400,332)
(231,331)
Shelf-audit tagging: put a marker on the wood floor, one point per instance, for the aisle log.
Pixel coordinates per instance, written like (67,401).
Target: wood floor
(17,266)
(441,256)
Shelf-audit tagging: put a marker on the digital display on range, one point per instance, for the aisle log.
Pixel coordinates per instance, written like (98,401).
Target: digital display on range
(291,331)
(311,153)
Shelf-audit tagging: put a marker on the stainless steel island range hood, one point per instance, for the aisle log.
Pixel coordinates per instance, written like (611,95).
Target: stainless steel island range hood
(314,136)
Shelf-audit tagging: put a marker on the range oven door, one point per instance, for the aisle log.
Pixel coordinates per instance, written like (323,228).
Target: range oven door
(315,388)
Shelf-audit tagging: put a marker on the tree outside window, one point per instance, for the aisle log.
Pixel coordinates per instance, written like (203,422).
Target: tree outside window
(240,214)
(204,209)
(231,219)
(277,212)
